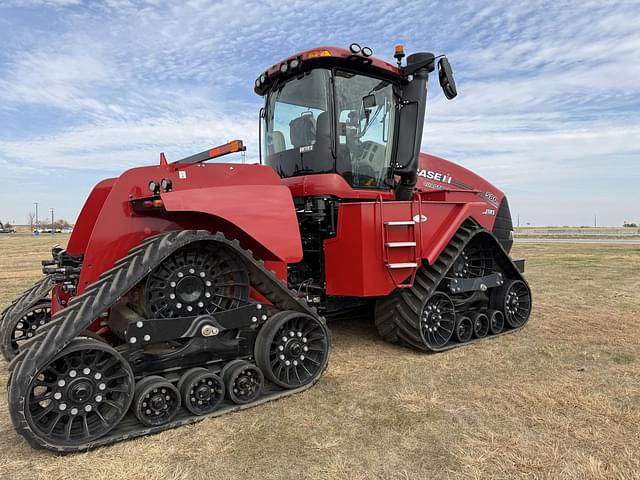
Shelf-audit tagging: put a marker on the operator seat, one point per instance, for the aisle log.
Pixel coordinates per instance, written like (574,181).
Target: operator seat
(275,142)
(302,130)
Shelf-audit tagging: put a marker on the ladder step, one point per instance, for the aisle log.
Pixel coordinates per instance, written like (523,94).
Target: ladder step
(400,222)
(402,265)
(400,244)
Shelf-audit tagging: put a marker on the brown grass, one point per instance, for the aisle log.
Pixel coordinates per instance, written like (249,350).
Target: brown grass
(560,399)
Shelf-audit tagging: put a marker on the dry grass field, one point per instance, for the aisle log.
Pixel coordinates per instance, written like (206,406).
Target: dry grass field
(561,399)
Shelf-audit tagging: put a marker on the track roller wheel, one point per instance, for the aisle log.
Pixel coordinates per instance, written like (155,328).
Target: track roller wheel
(156,401)
(80,395)
(437,321)
(514,300)
(244,382)
(201,390)
(464,329)
(25,327)
(496,321)
(480,324)
(292,349)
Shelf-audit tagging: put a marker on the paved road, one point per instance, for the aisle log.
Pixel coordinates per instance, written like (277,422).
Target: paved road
(598,241)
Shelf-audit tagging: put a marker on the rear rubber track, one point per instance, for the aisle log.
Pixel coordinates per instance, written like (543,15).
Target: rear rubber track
(82,310)
(398,315)
(17,309)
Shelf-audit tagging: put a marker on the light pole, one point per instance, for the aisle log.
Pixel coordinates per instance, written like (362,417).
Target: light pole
(36,204)
(52,226)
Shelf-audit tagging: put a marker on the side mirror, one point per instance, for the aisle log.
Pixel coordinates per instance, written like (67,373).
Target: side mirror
(445,75)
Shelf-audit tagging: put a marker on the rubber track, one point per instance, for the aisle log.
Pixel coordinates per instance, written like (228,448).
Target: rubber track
(16,310)
(397,317)
(100,295)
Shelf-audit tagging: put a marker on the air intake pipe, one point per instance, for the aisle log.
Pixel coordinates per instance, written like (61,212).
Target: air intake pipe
(411,122)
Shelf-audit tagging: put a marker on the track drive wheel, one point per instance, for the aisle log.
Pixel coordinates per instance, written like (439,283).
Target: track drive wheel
(25,327)
(464,329)
(156,401)
(201,390)
(292,349)
(480,324)
(437,321)
(79,396)
(514,300)
(244,382)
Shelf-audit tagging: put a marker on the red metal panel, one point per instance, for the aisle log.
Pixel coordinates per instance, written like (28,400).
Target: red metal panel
(331,184)
(88,215)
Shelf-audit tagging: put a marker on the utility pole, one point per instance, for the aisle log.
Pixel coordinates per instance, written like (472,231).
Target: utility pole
(53,230)
(36,204)
(595,221)
(518,220)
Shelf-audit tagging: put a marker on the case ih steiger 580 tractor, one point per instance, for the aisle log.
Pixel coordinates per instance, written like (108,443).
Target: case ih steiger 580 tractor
(192,289)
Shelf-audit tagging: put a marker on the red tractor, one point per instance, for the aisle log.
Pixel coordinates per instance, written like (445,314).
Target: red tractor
(192,289)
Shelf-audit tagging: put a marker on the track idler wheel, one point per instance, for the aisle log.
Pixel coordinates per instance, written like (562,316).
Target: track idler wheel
(244,382)
(201,390)
(156,401)
(464,329)
(292,349)
(25,327)
(480,324)
(80,395)
(514,300)
(496,321)
(437,321)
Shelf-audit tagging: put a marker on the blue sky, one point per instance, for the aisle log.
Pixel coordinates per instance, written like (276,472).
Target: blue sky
(548,106)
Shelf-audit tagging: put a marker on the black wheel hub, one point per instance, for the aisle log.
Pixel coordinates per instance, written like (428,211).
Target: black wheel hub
(195,281)
(247,384)
(27,326)
(81,394)
(517,303)
(437,320)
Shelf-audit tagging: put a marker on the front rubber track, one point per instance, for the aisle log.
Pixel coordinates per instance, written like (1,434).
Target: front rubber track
(397,316)
(102,294)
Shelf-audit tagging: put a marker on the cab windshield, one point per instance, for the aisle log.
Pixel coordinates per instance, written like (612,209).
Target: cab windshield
(310,130)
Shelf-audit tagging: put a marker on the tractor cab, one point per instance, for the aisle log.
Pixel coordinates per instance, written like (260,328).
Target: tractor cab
(344,113)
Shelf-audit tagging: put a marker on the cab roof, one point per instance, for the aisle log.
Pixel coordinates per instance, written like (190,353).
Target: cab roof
(326,57)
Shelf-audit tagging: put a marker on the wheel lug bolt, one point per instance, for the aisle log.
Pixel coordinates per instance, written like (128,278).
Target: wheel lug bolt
(287,363)
(172,296)
(304,339)
(284,339)
(97,376)
(281,348)
(172,284)
(87,408)
(202,274)
(57,395)
(62,406)
(301,357)
(98,398)
(299,334)
(259,306)
(264,317)
(86,371)
(254,319)
(281,357)
(207,294)
(102,386)
(74,411)
(200,304)
(147,338)
(207,283)
(178,305)
(305,348)
(295,363)
(61,383)
(189,308)
(72,373)
(291,334)
(180,274)
(192,271)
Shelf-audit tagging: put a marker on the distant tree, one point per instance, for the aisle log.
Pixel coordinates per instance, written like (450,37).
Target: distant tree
(8,225)
(61,223)
(31,218)
(631,225)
